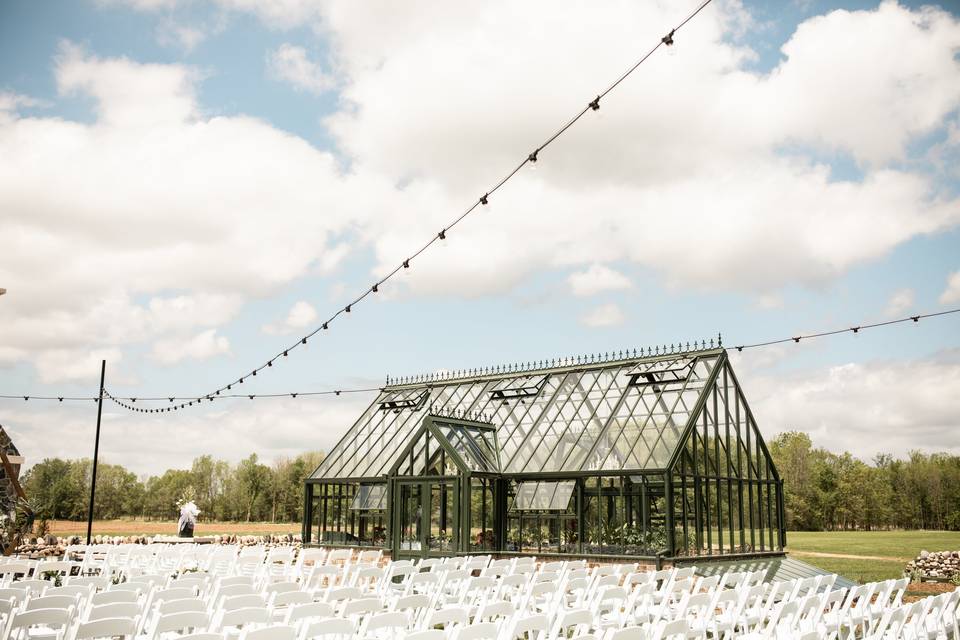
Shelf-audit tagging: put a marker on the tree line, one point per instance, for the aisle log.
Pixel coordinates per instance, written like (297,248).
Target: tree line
(822,490)
(826,491)
(248,491)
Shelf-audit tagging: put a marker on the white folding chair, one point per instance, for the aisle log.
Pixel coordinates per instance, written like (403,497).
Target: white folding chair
(56,620)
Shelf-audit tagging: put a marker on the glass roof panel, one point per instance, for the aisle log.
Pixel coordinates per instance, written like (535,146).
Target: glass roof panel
(543,496)
(370,497)
(594,417)
(472,444)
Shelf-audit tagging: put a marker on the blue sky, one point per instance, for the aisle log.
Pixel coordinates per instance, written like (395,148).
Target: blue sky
(182,176)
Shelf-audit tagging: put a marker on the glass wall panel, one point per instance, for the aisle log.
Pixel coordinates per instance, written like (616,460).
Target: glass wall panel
(531,529)
(482,512)
(338,522)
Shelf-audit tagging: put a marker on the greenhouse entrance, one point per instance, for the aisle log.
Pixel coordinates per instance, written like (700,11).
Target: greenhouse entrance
(427,511)
(652,457)
(429,481)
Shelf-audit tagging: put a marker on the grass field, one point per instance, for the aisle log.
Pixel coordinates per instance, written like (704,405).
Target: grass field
(867,556)
(140,527)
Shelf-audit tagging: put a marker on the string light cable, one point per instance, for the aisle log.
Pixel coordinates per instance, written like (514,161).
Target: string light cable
(482,201)
(188,401)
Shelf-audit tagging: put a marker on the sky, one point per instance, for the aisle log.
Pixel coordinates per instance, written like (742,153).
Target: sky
(187,187)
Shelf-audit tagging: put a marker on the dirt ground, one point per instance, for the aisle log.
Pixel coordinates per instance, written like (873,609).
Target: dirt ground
(140,527)
(918,590)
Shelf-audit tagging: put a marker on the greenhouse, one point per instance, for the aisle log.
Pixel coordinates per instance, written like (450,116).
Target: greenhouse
(651,454)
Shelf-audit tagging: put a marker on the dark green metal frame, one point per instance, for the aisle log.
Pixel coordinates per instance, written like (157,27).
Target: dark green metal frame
(722,495)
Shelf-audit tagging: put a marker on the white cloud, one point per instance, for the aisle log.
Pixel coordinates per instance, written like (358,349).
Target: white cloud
(182,36)
(290,63)
(951,295)
(155,219)
(606,315)
(301,315)
(129,94)
(768,301)
(901,91)
(865,408)
(202,346)
(10,101)
(900,302)
(595,279)
(73,365)
(713,218)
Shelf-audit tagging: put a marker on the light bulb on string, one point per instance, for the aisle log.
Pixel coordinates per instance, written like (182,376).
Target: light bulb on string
(670,43)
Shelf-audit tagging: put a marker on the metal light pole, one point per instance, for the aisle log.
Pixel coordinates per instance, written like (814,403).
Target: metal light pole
(96,452)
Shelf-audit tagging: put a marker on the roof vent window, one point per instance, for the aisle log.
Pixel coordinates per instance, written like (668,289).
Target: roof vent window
(522,387)
(401,402)
(661,372)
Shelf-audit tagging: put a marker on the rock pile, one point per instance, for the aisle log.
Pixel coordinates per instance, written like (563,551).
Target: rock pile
(57,545)
(936,564)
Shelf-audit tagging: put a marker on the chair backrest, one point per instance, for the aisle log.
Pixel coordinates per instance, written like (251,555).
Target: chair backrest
(361,607)
(282,587)
(329,627)
(273,632)
(97,582)
(174,593)
(290,598)
(15,568)
(76,590)
(109,597)
(447,617)
(578,620)
(629,633)
(236,590)
(247,615)
(235,580)
(490,611)
(179,606)
(672,629)
(389,620)
(343,593)
(52,602)
(531,627)
(478,631)
(429,634)
(106,628)
(34,587)
(115,610)
(312,610)
(50,618)
(181,621)
(16,595)
(242,602)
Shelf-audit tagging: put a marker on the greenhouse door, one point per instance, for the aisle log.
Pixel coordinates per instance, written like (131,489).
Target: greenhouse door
(427,517)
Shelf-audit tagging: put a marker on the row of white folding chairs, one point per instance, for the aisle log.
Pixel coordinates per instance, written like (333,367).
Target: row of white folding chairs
(931,618)
(219,559)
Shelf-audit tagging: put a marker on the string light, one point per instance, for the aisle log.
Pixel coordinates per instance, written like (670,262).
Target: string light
(497,370)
